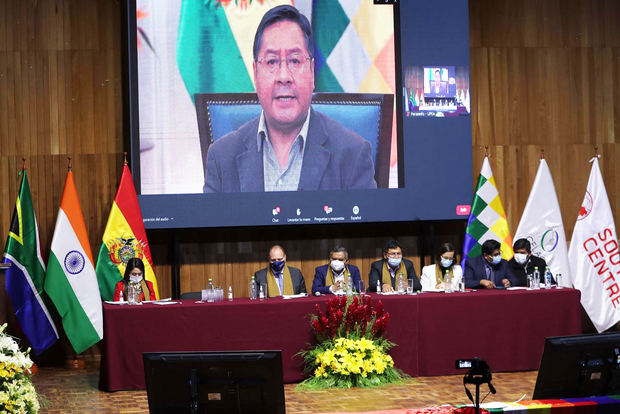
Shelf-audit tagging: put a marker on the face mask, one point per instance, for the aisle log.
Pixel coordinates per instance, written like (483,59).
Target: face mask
(337,265)
(394,261)
(520,258)
(277,266)
(446,262)
(497,259)
(135,279)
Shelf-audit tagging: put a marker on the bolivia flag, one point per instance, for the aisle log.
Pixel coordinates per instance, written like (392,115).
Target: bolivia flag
(70,281)
(124,237)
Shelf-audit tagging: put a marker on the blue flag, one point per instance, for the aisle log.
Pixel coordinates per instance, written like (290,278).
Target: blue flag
(25,277)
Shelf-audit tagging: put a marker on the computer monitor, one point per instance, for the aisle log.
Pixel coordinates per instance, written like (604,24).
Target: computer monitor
(214,382)
(579,366)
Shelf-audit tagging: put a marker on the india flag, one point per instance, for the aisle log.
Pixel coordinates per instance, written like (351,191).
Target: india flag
(70,281)
(487,219)
(124,237)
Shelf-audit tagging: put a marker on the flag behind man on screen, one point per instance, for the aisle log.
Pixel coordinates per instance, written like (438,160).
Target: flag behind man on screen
(124,237)
(594,256)
(26,276)
(71,282)
(487,219)
(541,223)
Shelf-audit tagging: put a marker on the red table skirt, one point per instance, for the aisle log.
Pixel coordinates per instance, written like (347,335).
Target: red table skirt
(431,330)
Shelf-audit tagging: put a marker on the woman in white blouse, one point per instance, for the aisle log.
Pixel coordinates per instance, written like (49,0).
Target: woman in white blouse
(433,275)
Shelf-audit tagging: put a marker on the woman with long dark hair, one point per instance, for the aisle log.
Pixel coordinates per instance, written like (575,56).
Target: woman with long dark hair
(433,276)
(134,275)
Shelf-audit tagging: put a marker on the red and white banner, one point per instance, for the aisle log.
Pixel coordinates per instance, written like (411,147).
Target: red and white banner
(594,256)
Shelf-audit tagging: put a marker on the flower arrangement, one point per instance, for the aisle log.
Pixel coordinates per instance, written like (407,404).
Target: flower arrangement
(351,349)
(17,394)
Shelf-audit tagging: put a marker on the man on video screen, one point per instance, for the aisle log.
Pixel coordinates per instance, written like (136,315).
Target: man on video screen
(290,146)
(438,87)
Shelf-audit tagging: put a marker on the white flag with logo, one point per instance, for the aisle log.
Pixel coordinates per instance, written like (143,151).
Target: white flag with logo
(541,224)
(594,256)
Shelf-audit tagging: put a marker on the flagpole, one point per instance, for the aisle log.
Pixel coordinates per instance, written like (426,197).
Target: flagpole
(542,153)
(23,164)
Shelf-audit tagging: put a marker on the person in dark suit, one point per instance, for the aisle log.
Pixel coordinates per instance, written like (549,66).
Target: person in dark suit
(524,262)
(489,269)
(332,277)
(387,270)
(279,279)
(289,147)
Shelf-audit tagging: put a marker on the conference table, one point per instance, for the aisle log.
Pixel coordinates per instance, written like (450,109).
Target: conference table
(507,328)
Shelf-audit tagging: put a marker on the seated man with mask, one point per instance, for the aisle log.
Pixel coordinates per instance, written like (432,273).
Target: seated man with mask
(524,262)
(489,269)
(332,278)
(387,270)
(279,278)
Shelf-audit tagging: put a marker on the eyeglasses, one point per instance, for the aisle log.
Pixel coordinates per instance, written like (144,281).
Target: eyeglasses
(295,63)
(394,254)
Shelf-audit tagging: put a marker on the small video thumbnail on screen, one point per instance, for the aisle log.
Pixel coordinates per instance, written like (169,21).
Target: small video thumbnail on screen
(436,91)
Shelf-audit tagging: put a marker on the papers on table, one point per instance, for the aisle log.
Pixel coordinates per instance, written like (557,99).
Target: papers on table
(160,301)
(299,295)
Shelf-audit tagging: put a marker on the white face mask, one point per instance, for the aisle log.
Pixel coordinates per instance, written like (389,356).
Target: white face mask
(135,279)
(520,258)
(337,265)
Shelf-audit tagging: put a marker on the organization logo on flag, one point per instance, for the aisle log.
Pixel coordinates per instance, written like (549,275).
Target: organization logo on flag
(586,206)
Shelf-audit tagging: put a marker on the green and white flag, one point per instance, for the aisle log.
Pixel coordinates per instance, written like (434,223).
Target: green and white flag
(71,281)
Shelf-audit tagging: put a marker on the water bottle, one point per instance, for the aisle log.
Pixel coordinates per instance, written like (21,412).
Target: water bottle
(547,278)
(120,298)
(261,293)
(349,284)
(447,282)
(253,292)
(530,281)
(378,286)
(536,281)
(210,285)
(230,295)
(131,294)
(462,284)
(401,284)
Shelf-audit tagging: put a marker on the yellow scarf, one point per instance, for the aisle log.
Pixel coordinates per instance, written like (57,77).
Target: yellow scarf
(439,276)
(386,275)
(272,284)
(329,277)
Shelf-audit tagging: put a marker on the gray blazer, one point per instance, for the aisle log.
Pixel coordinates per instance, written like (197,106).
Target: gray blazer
(299,285)
(334,158)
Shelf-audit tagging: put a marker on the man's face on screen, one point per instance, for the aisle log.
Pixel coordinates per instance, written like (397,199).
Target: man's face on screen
(284,90)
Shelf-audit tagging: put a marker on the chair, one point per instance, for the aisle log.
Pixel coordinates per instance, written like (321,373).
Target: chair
(191,295)
(369,115)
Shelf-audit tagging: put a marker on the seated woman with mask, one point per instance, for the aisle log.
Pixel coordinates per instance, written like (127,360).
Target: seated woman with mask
(134,275)
(433,275)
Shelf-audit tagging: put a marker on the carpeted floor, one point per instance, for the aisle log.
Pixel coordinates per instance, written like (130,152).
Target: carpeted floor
(76,391)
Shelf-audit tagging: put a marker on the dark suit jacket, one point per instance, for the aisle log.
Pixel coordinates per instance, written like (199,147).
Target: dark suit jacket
(334,158)
(320,274)
(376,270)
(299,285)
(521,273)
(475,271)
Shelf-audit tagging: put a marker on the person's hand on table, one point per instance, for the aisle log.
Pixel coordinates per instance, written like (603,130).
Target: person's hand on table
(506,283)
(387,288)
(336,286)
(487,284)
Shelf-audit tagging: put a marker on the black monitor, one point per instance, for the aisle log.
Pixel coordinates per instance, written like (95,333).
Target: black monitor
(579,366)
(214,382)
